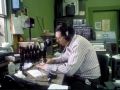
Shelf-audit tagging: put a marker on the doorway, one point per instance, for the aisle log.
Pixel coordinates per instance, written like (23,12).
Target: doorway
(106,22)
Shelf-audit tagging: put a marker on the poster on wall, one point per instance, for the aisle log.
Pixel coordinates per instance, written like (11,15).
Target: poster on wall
(105,25)
(97,25)
(17,24)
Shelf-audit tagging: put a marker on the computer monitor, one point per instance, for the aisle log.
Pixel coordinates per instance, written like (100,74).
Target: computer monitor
(15,5)
(85,31)
(107,37)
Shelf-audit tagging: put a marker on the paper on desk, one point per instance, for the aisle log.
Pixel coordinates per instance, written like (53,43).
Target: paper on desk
(27,65)
(117,82)
(36,73)
(19,74)
(57,87)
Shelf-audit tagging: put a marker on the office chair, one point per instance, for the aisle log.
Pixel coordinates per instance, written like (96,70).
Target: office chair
(105,80)
(103,62)
(10,83)
(14,83)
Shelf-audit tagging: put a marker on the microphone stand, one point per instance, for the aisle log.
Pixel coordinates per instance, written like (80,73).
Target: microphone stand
(30,33)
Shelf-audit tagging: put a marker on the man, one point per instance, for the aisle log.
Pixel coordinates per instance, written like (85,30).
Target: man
(78,61)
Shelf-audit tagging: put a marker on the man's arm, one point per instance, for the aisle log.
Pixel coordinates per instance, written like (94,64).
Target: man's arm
(75,59)
(56,60)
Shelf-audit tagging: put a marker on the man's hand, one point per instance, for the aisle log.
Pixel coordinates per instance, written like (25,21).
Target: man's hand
(41,66)
(50,61)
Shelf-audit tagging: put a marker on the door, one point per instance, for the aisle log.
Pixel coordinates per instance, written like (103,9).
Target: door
(106,22)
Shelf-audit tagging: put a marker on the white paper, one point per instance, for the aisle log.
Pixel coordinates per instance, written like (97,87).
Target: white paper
(117,82)
(19,74)
(17,25)
(116,56)
(36,73)
(98,25)
(27,65)
(106,25)
(57,87)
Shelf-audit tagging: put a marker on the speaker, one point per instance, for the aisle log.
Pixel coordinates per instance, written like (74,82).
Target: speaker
(70,10)
(32,22)
(58,8)
(29,23)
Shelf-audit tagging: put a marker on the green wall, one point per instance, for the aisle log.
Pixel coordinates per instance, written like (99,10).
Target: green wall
(41,9)
(93,6)
(102,3)
(97,5)
(99,16)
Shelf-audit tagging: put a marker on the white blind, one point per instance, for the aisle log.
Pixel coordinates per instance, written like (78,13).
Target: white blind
(3,7)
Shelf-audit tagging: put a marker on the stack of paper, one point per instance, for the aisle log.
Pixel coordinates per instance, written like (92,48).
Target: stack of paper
(19,74)
(57,87)
(27,65)
(36,73)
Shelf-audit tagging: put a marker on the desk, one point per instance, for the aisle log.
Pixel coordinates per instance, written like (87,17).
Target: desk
(3,64)
(43,80)
(29,83)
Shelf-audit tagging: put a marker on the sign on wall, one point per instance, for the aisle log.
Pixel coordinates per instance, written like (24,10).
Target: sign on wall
(98,25)
(105,25)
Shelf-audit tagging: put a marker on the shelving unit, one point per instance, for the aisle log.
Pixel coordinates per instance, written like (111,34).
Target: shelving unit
(62,16)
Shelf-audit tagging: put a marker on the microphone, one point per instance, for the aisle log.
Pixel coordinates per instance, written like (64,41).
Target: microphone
(51,75)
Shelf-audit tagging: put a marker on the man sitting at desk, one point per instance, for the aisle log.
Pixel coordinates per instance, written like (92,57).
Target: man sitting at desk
(78,61)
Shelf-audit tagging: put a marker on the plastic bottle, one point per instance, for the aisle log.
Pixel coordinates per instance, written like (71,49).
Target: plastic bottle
(11,68)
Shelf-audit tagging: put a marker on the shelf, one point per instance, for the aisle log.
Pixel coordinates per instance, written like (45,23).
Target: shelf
(75,17)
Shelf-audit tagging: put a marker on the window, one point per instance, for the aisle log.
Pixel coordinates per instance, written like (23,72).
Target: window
(15,4)
(2,30)
(3,7)
(2,21)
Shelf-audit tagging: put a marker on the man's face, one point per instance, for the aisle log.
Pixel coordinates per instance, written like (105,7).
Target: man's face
(59,38)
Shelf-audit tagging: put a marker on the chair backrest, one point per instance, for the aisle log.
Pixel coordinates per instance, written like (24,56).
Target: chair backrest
(103,61)
(12,82)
